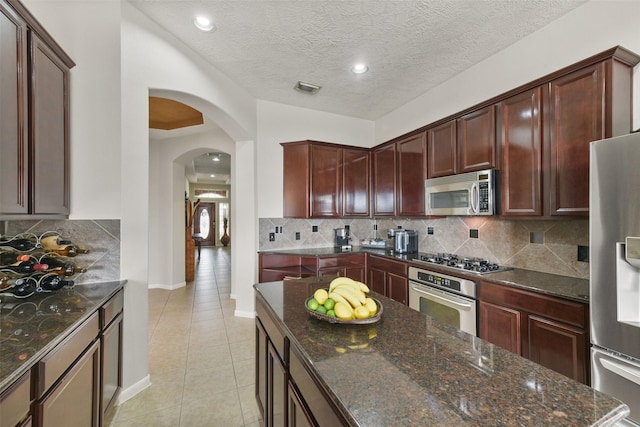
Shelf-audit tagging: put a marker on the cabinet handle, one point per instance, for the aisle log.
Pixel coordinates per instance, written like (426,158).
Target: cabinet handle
(446,300)
(632,374)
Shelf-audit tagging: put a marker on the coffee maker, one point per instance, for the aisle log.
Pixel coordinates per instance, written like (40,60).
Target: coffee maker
(342,239)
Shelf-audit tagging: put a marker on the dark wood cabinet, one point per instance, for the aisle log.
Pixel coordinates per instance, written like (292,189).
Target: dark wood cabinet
(13,91)
(412,171)
(384,180)
(441,143)
(476,140)
(299,415)
(545,329)
(34,146)
(388,277)
(323,180)
(273,267)
(356,182)
(111,352)
(545,133)
(346,265)
(277,389)
(520,135)
(15,402)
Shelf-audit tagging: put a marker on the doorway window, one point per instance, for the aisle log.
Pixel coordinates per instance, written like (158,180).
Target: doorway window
(204,224)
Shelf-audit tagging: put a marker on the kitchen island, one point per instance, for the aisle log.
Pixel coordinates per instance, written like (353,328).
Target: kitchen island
(406,369)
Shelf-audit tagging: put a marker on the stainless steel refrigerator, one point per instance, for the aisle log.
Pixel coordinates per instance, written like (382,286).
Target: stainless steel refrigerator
(614,259)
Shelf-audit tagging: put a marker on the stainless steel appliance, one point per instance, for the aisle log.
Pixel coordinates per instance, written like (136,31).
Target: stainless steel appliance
(472,193)
(404,241)
(455,262)
(343,240)
(614,239)
(449,299)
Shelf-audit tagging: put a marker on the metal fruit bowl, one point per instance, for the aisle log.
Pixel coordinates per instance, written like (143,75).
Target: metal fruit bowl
(330,319)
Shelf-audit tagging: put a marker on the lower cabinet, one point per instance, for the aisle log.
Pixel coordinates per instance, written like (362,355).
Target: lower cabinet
(351,266)
(286,393)
(15,403)
(544,329)
(388,277)
(111,352)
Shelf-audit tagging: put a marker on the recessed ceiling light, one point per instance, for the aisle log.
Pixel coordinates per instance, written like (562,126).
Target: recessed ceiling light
(359,68)
(212,176)
(307,87)
(203,23)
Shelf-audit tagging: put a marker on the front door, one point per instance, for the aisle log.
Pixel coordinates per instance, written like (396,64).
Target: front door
(205,223)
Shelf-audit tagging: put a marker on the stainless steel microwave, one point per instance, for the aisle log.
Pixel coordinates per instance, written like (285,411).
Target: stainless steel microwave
(471,193)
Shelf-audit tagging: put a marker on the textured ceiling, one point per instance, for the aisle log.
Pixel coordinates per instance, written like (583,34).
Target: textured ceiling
(266,46)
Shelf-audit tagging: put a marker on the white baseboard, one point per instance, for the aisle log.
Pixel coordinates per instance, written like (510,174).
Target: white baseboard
(168,287)
(247,314)
(129,392)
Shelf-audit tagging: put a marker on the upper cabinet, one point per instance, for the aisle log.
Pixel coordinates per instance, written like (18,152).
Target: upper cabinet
(399,171)
(441,143)
(34,128)
(325,180)
(477,140)
(545,132)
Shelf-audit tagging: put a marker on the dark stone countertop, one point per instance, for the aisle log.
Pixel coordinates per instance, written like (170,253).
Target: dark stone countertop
(409,369)
(31,327)
(572,288)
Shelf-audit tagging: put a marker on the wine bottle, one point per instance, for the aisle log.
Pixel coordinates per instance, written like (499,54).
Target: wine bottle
(60,265)
(51,281)
(25,267)
(11,257)
(24,289)
(9,279)
(20,244)
(61,246)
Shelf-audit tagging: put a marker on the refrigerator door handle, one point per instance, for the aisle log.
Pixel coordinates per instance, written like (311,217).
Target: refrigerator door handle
(625,371)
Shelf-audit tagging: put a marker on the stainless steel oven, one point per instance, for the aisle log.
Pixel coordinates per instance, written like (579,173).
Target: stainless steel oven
(449,299)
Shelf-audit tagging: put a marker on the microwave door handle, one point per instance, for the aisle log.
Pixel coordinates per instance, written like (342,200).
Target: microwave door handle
(628,372)
(475,198)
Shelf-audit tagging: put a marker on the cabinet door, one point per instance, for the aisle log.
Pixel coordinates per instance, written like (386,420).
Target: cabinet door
(477,140)
(277,386)
(521,147)
(384,181)
(74,400)
(49,130)
(15,402)
(299,415)
(111,348)
(13,120)
(501,326)
(261,368)
(576,114)
(355,273)
(442,157)
(398,288)
(377,280)
(558,347)
(412,171)
(295,179)
(326,181)
(356,191)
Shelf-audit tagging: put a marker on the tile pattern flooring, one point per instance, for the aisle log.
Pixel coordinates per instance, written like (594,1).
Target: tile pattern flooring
(201,357)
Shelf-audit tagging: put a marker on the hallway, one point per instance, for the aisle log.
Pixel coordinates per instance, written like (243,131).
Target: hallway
(201,357)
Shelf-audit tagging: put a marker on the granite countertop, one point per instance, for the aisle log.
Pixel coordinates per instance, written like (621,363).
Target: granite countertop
(31,327)
(572,288)
(409,369)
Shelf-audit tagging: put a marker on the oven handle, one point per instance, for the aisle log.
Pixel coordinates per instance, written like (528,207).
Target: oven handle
(442,299)
(475,198)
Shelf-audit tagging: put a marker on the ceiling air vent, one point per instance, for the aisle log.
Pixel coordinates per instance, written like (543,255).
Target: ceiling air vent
(306,87)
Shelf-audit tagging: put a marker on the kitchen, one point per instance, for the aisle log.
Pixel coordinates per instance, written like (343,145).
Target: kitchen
(127,40)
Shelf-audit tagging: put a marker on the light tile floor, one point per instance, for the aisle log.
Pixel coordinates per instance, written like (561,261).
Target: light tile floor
(201,357)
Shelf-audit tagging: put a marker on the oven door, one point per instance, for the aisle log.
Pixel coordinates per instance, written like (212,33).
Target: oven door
(447,307)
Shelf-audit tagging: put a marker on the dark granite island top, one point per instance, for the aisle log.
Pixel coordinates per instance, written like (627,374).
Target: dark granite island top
(31,327)
(409,369)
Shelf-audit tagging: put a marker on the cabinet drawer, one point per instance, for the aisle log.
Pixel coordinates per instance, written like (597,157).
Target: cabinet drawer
(341,261)
(390,266)
(311,395)
(273,332)
(111,309)
(15,402)
(54,364)
(570,312)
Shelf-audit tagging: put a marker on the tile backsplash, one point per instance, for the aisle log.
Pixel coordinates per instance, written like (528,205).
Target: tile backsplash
(545,246)
(101,237)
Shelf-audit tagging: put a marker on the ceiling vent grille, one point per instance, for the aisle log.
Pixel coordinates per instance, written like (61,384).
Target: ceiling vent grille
(307,87)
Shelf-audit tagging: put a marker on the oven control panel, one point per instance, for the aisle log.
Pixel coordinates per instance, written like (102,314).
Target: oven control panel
(443,281)
(434,279)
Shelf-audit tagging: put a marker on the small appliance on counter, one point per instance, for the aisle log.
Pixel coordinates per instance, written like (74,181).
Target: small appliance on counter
(403,241)
(374,243)
(342,239)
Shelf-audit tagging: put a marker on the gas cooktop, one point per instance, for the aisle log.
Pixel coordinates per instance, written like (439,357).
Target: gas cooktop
(455,262)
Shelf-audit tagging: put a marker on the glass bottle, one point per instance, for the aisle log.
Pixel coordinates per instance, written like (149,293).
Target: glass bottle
(60,265)
(11,257)
(19,243)
(24,289)
(9,279)
(61,246)
(51,281)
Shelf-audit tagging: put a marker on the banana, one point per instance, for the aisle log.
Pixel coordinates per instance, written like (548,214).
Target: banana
(338,298)
(356,299)
(364,288)
(353,286)
(339,280)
